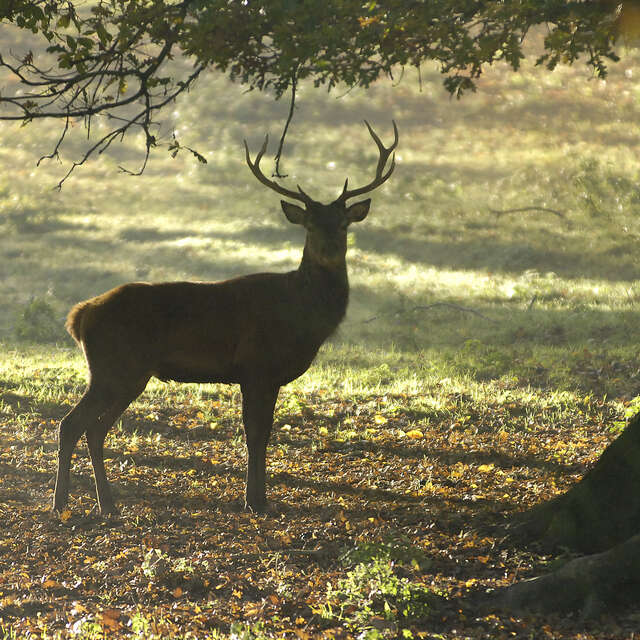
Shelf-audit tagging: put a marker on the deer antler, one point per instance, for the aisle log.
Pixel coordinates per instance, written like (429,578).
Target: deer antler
(382,161)
(255,169)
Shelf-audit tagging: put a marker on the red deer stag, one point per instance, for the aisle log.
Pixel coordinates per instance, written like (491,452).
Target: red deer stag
(261,331)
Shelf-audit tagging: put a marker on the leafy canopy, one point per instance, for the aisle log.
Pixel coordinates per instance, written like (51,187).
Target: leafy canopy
(111,57)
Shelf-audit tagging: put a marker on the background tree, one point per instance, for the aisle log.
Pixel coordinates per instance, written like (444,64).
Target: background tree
(112,59)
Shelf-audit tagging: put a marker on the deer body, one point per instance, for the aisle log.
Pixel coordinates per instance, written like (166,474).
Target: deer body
(265,324)
(260,331)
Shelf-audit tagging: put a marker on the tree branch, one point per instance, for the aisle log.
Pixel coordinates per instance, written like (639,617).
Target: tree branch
(141,119)
(276,173)
(271,45)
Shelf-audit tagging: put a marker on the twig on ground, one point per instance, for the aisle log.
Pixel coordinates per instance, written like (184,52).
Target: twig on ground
(427,307)
(500,212)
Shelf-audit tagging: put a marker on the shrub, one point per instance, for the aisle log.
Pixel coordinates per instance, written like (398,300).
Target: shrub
(38,323)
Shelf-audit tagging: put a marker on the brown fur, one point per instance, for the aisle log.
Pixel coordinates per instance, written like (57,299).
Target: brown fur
(76,320)
(261,331)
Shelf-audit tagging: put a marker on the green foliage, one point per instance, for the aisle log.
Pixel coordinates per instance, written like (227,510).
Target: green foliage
(243,631)
(156,564)
(632,408)
(38,322)
(87,630)
(374,598)
(8,633)
(140,626)
(393,552)
(604,190)
(374,590)
(93,62)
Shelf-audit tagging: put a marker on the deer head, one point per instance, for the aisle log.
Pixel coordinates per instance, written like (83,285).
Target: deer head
(326,224)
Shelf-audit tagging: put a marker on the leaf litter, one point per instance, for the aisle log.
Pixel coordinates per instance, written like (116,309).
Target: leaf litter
(427,494)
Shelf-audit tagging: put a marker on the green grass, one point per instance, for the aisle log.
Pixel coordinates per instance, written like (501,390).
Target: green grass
(463,322)
(550,285)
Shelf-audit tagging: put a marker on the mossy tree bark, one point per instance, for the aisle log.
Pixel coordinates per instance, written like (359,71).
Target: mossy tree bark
(600,515)
(603,509)
(590,584)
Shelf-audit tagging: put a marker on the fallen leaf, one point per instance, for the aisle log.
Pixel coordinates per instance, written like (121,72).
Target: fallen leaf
(49,583)
(110,618)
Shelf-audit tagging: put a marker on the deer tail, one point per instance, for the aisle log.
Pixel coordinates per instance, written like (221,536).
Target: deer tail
(77,320)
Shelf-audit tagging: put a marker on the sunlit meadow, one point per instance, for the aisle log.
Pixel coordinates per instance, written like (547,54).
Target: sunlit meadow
(441,277)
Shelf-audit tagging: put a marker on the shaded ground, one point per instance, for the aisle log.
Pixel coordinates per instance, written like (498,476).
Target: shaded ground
(342,473)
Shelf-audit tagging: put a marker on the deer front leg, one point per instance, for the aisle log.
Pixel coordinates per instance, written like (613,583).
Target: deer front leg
(258,403)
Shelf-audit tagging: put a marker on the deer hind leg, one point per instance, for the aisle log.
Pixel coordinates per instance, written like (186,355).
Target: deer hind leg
(72,426)
(96,435)
(258,403)
(93,415)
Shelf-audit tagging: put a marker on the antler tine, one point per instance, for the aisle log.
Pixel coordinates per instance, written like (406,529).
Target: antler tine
(375,137)
(344,189)
(257,172)
(381,176)
(384,152)
(304,195)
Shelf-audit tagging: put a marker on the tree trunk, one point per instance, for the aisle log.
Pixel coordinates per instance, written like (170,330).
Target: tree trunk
(590,584)
(600,515)
(600,511)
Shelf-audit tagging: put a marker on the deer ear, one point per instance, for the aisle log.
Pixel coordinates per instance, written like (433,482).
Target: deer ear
(358,211)
(294,213)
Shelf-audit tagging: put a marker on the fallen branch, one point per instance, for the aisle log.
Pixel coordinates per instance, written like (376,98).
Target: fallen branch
(428,307)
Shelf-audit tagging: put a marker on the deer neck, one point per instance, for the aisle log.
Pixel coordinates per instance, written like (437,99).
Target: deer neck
(326,285)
